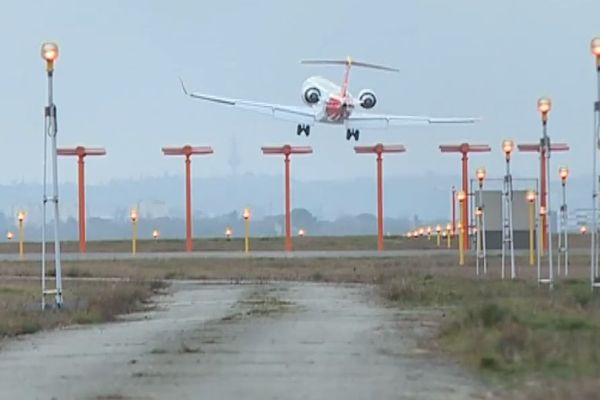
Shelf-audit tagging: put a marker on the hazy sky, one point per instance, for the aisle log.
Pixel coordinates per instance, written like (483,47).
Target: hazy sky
(116,80)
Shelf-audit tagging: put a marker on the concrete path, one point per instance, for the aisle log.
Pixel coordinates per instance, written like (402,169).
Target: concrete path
(272,341)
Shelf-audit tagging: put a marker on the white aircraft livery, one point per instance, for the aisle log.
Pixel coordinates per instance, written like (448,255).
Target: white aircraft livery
(326,102)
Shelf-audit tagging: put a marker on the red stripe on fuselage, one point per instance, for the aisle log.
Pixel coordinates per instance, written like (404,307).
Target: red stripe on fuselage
(335,110)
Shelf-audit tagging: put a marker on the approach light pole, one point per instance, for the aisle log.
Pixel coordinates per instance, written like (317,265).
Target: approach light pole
(287,150)
(539,148)
(563,234)
(544,105)
(133,215)
(438,231)
(379,149)
(50,55)
(187,151)
(594,273)
(453,209)
(462,198)
(465,149)
(246,215)
(530,197)
(21,220)
(81,152)
(507,213)
(449,230)
(480,222)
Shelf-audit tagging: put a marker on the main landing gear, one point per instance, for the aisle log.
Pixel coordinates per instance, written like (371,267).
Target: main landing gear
(352,132)
(303,128)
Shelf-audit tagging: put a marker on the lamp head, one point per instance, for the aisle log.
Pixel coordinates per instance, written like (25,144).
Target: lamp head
(49,54)
(438,228)
(583,229)
(155,234)
(301,232)
(508,146)
(544,106)
(479,211)
(542,210)
(530,196)
(21,216)
(133,215)
(480,173)
(595,47)
(461,196)
(449,227)
(563,172)
(10,235)
(246,214)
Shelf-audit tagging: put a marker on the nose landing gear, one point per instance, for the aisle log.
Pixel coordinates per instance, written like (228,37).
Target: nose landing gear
(303,128)
(352,133)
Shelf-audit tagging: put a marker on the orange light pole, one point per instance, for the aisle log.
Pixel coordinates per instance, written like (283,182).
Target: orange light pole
(187,151)
(81,152)
(539,148)
(465,149)
(287,150)
(379,149)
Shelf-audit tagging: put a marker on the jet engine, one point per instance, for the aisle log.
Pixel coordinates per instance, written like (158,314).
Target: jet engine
(311,95)
(367,99)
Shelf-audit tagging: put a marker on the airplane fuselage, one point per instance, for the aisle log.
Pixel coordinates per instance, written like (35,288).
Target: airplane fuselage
(333,106)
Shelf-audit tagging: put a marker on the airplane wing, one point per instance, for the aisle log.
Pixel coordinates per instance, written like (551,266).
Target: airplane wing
(305,115)
(381,121)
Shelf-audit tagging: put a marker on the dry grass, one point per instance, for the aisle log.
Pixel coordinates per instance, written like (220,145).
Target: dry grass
(86,302)
(515,333)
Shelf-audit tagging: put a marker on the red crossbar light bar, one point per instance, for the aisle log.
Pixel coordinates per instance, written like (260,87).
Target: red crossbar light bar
(187,150)
(286,149)
(380,148)
(537,147)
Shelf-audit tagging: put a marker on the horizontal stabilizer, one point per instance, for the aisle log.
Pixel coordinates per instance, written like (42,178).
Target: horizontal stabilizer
(349,62)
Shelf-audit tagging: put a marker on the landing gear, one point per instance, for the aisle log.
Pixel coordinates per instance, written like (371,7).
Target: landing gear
(352,132)
(303,128)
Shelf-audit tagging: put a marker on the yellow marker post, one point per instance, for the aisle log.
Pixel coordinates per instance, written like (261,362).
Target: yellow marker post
(21,219)
(531,200)
(134,230)
(461,250)
(246,216)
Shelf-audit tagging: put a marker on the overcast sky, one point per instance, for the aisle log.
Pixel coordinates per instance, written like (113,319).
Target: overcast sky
(116,80)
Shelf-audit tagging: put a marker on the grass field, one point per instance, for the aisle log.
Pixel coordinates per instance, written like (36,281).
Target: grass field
(87,302)
(260,244)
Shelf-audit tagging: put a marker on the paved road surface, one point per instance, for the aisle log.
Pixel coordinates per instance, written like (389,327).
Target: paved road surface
(275,341)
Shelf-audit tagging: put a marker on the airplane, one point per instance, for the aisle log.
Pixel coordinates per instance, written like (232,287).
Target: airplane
(328,103)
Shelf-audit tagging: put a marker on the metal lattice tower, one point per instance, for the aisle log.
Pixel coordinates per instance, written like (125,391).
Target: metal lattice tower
(507,219)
